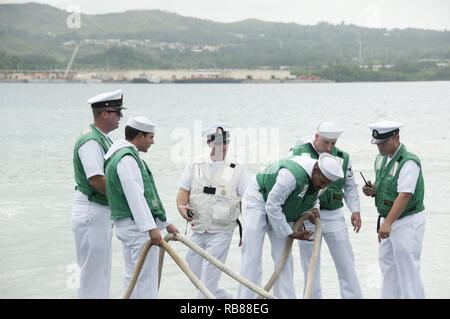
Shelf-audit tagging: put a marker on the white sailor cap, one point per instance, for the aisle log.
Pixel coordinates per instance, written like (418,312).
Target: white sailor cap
(141,123)
(330,167)
(218,133)
(381,131)
(329,130)
(113,99)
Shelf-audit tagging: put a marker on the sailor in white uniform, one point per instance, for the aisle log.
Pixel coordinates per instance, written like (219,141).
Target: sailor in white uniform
(399,195)
(334,228)
(273,201)
(210,199)
(91,222)
(135,205)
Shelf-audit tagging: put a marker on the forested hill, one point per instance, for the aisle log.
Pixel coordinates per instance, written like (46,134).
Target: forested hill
(37,36)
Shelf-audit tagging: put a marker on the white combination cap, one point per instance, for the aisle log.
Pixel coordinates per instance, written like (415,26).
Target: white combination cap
(329,130)
(330,167)
(141,123)
(112,99)
(218,132)
(381,131)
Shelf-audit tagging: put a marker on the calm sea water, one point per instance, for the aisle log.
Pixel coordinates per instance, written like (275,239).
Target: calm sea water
(40,122)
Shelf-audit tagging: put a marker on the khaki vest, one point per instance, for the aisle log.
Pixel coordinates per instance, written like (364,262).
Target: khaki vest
(214,198)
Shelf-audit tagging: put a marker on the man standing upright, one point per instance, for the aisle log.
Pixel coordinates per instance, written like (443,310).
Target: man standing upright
(334,228)
(210,199)
(399,192)
(91,217)
(135,204)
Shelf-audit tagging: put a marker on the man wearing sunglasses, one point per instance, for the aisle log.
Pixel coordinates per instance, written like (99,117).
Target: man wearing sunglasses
(210,199)
(91,216)
(399,192)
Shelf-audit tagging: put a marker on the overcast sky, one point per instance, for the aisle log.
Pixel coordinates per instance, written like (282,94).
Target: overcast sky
(426,14)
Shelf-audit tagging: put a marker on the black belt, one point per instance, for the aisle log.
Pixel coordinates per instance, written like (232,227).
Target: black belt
(378,223)
(240,231)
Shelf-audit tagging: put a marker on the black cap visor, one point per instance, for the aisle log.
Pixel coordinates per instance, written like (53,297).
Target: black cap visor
(117,104)
(380,138)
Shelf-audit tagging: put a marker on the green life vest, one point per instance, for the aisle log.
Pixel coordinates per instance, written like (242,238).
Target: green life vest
(333,196)
(117,200)
(80,176)
(301,199)
(386,183)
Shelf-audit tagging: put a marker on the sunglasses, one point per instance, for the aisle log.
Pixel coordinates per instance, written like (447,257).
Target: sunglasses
(115,111)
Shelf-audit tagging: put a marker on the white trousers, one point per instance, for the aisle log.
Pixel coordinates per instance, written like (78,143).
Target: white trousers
(217,245)
(255,228)
(399,258)
(92,228)
(132,240)
(335,233)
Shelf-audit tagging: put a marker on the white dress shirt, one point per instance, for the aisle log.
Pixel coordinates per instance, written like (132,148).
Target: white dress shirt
(408,176)
(91,156)
(133,187)
(351,192)
(283,187)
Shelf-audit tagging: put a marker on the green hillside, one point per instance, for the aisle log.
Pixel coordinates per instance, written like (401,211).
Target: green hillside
(36,36)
